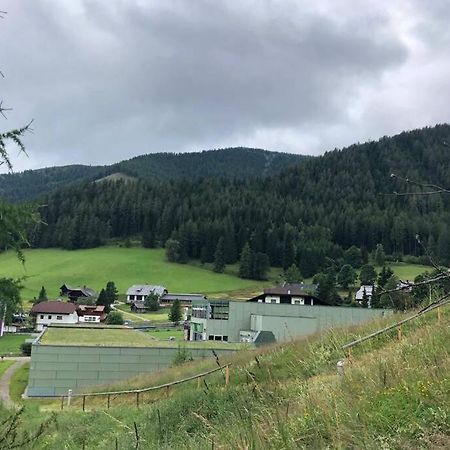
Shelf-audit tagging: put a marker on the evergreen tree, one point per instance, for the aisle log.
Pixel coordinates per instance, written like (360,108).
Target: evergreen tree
(152,302)
(175,313)
(219,257)
(102,300)
(246,262)
(380,256)
(42,297)
(111,292)
(327,291)
(173,250)
(368,274)
(293,275)
(353,257)
(346,276)
(260,266)
(384,275)
(365,300)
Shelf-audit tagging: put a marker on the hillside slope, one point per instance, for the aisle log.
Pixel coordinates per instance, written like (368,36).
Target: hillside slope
(239,163)
(303,214)
(396,394)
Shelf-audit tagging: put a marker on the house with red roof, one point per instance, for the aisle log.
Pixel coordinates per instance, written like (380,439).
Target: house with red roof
(58,312)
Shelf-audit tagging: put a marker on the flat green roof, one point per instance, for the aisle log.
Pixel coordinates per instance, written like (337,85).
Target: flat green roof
(122,337)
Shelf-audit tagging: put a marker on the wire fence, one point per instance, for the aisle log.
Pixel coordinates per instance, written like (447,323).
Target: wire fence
(136,397)
(398,325)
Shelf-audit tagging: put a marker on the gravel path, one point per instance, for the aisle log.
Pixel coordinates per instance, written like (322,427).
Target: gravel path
(6,379)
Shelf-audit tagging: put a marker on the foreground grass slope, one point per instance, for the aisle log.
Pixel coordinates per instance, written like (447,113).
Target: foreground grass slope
(396,394)
(125,266)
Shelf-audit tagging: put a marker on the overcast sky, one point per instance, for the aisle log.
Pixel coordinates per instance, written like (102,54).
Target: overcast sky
(105,80)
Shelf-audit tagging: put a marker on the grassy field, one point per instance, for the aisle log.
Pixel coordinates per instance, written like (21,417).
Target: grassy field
(166,334)
(160,316)
(125,266)
(18,383)
(103,337)
(10,343)
(406,271)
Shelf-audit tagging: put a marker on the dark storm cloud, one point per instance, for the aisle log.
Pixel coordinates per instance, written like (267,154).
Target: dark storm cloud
(106,80)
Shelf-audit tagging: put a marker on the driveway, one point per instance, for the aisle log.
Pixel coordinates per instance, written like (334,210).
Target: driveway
(6,379)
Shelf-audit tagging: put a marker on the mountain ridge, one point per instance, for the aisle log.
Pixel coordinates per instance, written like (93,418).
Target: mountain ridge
(233,162)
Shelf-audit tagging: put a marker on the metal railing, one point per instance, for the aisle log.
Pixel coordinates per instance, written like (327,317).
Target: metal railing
(225,369)
(444,301)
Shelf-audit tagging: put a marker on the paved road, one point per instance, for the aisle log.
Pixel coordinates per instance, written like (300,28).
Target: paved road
(6,378)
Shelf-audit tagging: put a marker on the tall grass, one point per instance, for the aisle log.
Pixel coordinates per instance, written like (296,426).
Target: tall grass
(395,394)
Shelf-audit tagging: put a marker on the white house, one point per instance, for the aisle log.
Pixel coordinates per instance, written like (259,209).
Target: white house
(46,313)
(141,291)
(368,290)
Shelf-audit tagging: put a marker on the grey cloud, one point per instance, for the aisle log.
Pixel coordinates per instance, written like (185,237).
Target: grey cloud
(108,80)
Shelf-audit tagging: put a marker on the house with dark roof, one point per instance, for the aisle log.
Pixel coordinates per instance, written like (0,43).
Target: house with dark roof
(58,312)
(292,294)
(142,291)
(75,293)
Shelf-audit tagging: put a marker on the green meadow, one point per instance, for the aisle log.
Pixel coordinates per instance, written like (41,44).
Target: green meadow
(125,266)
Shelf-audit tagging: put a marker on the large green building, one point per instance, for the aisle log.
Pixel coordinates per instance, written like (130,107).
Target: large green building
(258,322)
(82,358)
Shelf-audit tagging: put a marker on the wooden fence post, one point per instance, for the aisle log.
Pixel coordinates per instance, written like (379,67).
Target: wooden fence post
(137,399)
(399,332)
(199,382)
(109,398)
(62,402)
(227,375)
(84,402)
(350,355)
(439,314)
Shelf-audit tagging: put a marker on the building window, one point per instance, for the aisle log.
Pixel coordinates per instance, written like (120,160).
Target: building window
(211,337)
(273,300)
(225,338)
(42,316)
(217,338)
(49,317)
(58,317)
(131,297)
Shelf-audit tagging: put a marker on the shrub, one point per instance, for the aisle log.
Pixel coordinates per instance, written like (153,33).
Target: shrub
(26,348)
(115,318)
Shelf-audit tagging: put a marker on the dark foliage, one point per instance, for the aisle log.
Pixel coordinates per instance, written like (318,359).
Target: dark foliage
(327,210)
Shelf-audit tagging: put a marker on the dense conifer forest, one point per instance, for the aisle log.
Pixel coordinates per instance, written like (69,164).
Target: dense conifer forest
(230,163)
(305,214)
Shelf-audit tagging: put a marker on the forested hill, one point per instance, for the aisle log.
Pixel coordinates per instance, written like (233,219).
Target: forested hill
(233,163)
(304,214)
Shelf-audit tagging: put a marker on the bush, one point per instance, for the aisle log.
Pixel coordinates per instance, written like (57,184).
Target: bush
(26,348)
(115,318)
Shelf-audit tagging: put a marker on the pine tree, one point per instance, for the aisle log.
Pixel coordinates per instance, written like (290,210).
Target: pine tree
(152,302)
(102,300)
(346,276)
(246,262)
(368,274)
(42,297)
(175,313)
(219,257)
(380,256)
(111,292)
(293,275)
(260,266)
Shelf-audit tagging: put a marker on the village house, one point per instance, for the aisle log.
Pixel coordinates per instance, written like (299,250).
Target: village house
(75,293)
(46,313)
(139,292)
(91,313)
(292,294)
(365,290)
